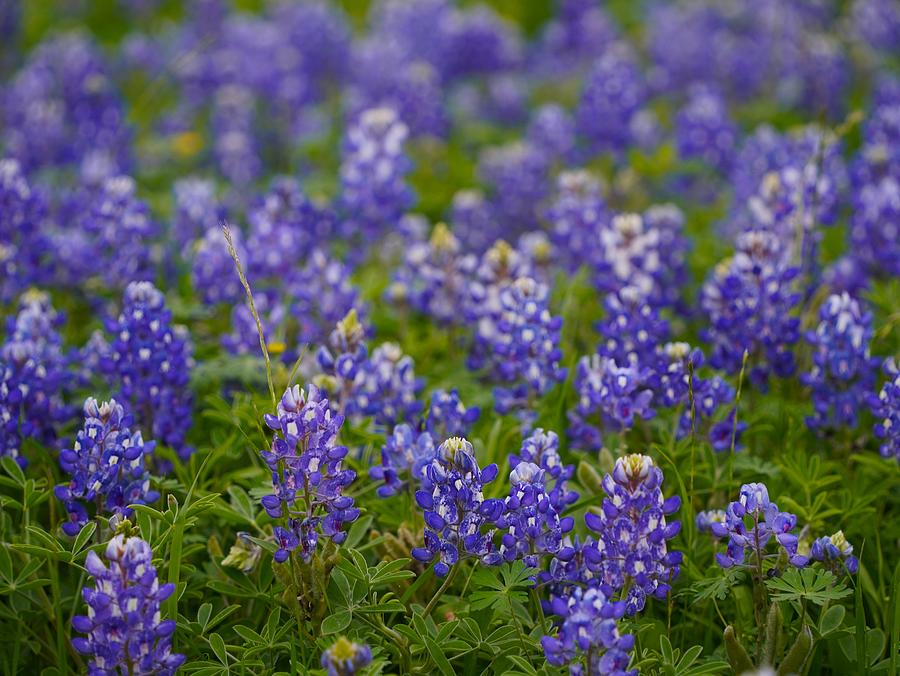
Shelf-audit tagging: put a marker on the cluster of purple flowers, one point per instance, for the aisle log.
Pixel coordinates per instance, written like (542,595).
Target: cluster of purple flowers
(576,217)
(33,377)
(516,175)
(320,294)
(404,454)
(107,465)
(632,533)
(150,362)
(704,130)
(842,372)
(749,300)
(456,511)
(835,552)
(308,475)
(124,631)
(752,522)
(345,657)
(588,639)
(212,271)
(542,449)
(24,246)
(886,409)
(197,212)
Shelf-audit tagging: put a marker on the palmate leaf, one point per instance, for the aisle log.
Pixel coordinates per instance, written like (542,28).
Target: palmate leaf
(506,588)
(808,584)
(716,587)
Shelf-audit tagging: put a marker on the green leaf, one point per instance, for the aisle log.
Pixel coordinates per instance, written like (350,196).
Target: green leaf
(6,569)
(248,634)
(717,586)
(813,585)
(440,660)
(337,622)
(83,536)
(12,468)
(203,614)
(218,646)
(831,619)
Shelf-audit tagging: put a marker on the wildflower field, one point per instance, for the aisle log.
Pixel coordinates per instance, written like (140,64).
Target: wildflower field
(433,337)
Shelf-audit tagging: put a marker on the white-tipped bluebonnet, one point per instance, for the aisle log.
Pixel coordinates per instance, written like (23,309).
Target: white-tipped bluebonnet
(516,177)
(875,225)
(120,229)
(576,216)
(531,521)
(542,449)
(843,371)
(150,364)
(434,277)
(24,246)
(342,359)
(62,105)
(588,640)
(374,165)
(456,512)
(750,301)
(235,143)
(244,336)
(886,409)
(125,633)
(33,377)
(704,130)
(197,210)
(633,532)
(632,329)
(321,294)
(447,416)
(499,267)
(345,657)
(613,92)
(520,345)
(386,387)
(707,518)
(835,552)
(609,394)
(474,221)
(404,457)
(107,465)
(766,523)
(213,273)
(308,476)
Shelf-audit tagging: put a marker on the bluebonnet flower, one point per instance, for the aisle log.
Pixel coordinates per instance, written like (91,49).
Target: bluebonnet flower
(124,631)
(433,278)
(321,294)
(404,457)
(244,336)
(843,371)
(530,518)
(632,329)
(876,23)
(750,301)
(706,519)
(886,409)
(521,346)
(766,521)
(24,245)
(474,221)
(308,475)
(447,416)
(417,30)
(552,129)
(285,226)
(62,106)
(588,640)
(107,465)
(613,92)
(835,552)
(618,393)
(479,41)
(213,273)
(542,449)
(235,143)
(197,210)
(632,532)
(579,32)
(569,569)
(576,216)
(456,512)
(386,386)
(499,267)
(374,165)
(120,229)
(703,130)
(874,229)
(345,657)
(150,361)
(516,177)
(342,359)
(33,376)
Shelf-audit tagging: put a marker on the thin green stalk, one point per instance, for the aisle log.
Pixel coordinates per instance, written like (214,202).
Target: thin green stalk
(440,592)
(61,651)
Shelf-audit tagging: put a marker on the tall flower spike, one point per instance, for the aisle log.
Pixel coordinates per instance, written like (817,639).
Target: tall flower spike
(150,362)
(308,475)
(448,416)
(123,626)
(576,216)
(321,294)
(404,457)
(456,512)
(843,371)
(342,359)
(767,523)
(107,465)
(542,449)
(886,409)
(386,387)
(32,377)
(632,533)
(588,640)
(24,246)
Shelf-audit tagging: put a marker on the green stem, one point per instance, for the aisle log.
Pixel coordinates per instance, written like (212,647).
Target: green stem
(61,651)
(175,565)
(440,592)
